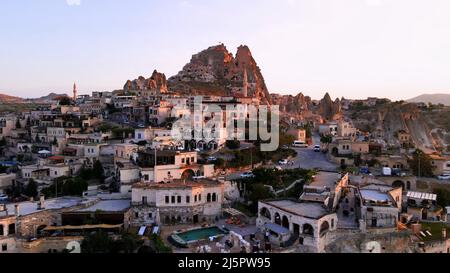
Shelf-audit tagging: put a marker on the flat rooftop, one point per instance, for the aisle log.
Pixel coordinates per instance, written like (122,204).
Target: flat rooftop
(27,208)
(374,195)
(178,185)
(325,179)
(306,209)
(109,206)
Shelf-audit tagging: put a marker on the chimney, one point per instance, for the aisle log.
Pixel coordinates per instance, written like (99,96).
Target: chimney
(17,210)
(41,204)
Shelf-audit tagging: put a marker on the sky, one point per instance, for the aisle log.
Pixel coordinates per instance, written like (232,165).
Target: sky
(350,48)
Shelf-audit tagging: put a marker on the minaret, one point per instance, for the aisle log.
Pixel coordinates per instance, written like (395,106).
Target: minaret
(245,83)
(75,91)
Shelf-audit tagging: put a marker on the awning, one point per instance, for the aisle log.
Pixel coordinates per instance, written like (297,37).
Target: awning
(142,231)
(422,196)
(233,212)
(103,226)
(277,229)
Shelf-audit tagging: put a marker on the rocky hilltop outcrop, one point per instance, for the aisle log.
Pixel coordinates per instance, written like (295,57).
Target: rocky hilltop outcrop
(296,105)
(9,99)
(215,71)
(329,109)
(156,83)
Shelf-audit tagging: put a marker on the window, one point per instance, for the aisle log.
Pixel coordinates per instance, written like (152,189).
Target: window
(4,247)
(195,198)
(192,159)
(150,215)
(188,199)
(183,160)
(167,199)
(173,199)
(136,214)
(199,197)
(144,200)
(146,177)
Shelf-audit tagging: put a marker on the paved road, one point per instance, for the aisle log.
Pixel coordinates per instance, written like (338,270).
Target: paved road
(306,158)
(309,159)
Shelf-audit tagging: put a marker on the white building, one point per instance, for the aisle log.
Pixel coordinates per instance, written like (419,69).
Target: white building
(177,202)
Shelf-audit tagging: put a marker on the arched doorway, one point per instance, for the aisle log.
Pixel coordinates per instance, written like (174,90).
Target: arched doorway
(188,175)
(277,219)
(213,145)
(324,228)
(398,184)
(201,145)
(264,212)
(308,229)
(285,222)
(335,151)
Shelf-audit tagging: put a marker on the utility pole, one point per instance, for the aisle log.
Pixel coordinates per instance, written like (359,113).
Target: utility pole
(418,157)
(154,167)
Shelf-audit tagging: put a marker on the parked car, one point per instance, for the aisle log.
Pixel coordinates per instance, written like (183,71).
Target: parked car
(299,144)
(283,162)
(3,197)
(317,148)
(444,177)
(212,159)
(247,175)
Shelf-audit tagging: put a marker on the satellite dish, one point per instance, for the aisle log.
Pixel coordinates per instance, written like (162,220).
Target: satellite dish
(74,247)
(373,247)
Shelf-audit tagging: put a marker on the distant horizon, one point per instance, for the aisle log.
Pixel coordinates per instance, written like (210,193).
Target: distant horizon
(353,48)
(69,93)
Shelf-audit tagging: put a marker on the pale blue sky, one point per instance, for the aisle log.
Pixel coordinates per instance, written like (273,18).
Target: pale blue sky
(351,48)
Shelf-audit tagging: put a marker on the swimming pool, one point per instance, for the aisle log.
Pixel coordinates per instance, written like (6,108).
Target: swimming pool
(200,234)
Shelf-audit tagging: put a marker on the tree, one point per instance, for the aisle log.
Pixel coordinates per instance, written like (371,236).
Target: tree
(308,130)
(129,243)
(286,139)
(326,139)
(421,164)
(443,197)
(18,125)
(65,101)
(259,192)
(98,242)
(98,171)
(3,142)
(31,190)
(159,245)
(233,144)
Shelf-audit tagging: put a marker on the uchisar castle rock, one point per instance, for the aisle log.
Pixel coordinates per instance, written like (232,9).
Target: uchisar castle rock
(214,71)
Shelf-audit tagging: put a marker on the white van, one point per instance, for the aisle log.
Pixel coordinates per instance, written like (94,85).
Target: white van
(300,144)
